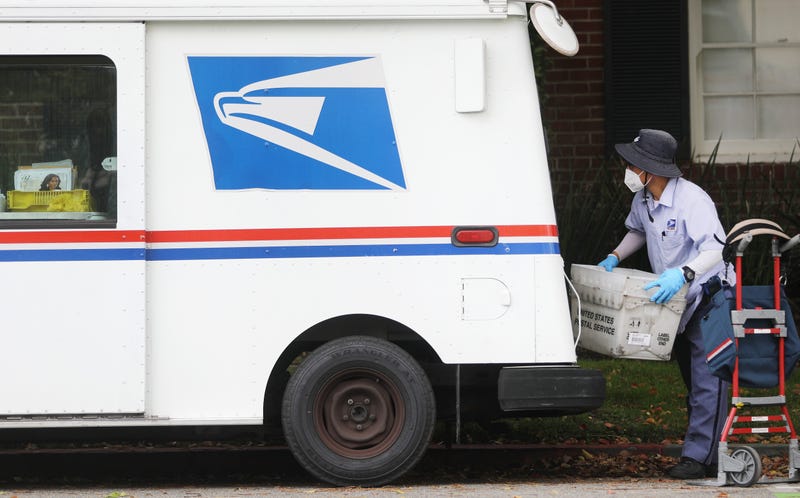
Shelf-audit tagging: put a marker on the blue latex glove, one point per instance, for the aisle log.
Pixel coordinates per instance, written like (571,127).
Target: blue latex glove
(609,263)
(670,282)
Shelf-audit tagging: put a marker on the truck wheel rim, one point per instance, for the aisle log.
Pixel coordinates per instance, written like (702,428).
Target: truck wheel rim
(359,413)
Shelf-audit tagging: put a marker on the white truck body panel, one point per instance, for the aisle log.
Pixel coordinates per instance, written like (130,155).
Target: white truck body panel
(179,313)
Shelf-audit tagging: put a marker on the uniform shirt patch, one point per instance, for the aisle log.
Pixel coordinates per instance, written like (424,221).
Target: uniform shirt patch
(672,224)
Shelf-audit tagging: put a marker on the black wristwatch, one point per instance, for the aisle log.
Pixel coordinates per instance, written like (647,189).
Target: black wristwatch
(688,273)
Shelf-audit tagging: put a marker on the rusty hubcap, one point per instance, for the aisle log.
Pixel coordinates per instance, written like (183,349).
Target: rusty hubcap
(359,413)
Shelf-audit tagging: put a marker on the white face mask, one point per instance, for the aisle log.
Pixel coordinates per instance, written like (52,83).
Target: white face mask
(633,181)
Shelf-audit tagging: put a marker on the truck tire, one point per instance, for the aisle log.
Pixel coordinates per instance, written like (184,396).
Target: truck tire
(358,411)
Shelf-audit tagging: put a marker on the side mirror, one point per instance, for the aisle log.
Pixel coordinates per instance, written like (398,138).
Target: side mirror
(553,28)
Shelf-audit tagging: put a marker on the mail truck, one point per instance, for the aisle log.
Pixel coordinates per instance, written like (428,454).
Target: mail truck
(329,216)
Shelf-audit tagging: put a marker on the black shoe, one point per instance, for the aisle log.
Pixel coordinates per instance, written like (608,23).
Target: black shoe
(688,468)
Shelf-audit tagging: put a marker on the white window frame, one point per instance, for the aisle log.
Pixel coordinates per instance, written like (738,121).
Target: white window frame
(730,150)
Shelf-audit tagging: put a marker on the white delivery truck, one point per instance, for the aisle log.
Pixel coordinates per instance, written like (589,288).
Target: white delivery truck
(330,215)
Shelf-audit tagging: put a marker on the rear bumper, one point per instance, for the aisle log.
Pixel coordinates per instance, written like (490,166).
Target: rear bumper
(559,389)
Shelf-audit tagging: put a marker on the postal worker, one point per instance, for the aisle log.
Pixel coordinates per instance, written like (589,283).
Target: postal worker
(678,222)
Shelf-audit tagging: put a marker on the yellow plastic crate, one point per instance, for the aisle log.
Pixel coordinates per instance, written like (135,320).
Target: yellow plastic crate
(53,200)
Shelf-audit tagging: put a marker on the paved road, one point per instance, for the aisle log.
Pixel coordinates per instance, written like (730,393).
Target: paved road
(222,472)
(643,488)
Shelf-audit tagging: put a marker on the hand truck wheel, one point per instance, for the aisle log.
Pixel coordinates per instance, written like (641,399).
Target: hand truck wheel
(752,466)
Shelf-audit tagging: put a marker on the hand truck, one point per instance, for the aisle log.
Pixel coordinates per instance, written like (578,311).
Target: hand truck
(742,465)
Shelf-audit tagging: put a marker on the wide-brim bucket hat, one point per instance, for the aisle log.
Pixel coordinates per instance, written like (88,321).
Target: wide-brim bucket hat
(652,151)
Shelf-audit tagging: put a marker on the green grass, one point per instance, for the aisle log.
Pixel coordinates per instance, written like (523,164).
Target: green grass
(645,403)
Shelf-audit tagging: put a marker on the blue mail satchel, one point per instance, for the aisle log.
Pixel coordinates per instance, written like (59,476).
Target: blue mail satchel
(717,330)
(758,354)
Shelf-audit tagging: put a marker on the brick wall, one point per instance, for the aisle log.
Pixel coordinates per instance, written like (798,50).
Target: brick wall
(573,107)
(21,132)
(21,125)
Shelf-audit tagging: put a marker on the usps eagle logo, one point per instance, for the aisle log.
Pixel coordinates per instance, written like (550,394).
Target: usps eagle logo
(313,123)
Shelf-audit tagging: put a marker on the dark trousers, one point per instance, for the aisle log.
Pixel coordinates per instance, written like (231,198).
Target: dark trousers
(707,399)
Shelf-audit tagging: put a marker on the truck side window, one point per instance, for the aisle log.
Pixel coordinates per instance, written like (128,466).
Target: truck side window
(57,141)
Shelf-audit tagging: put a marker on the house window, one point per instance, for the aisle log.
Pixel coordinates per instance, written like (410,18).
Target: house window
(745,78)
(58,129)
